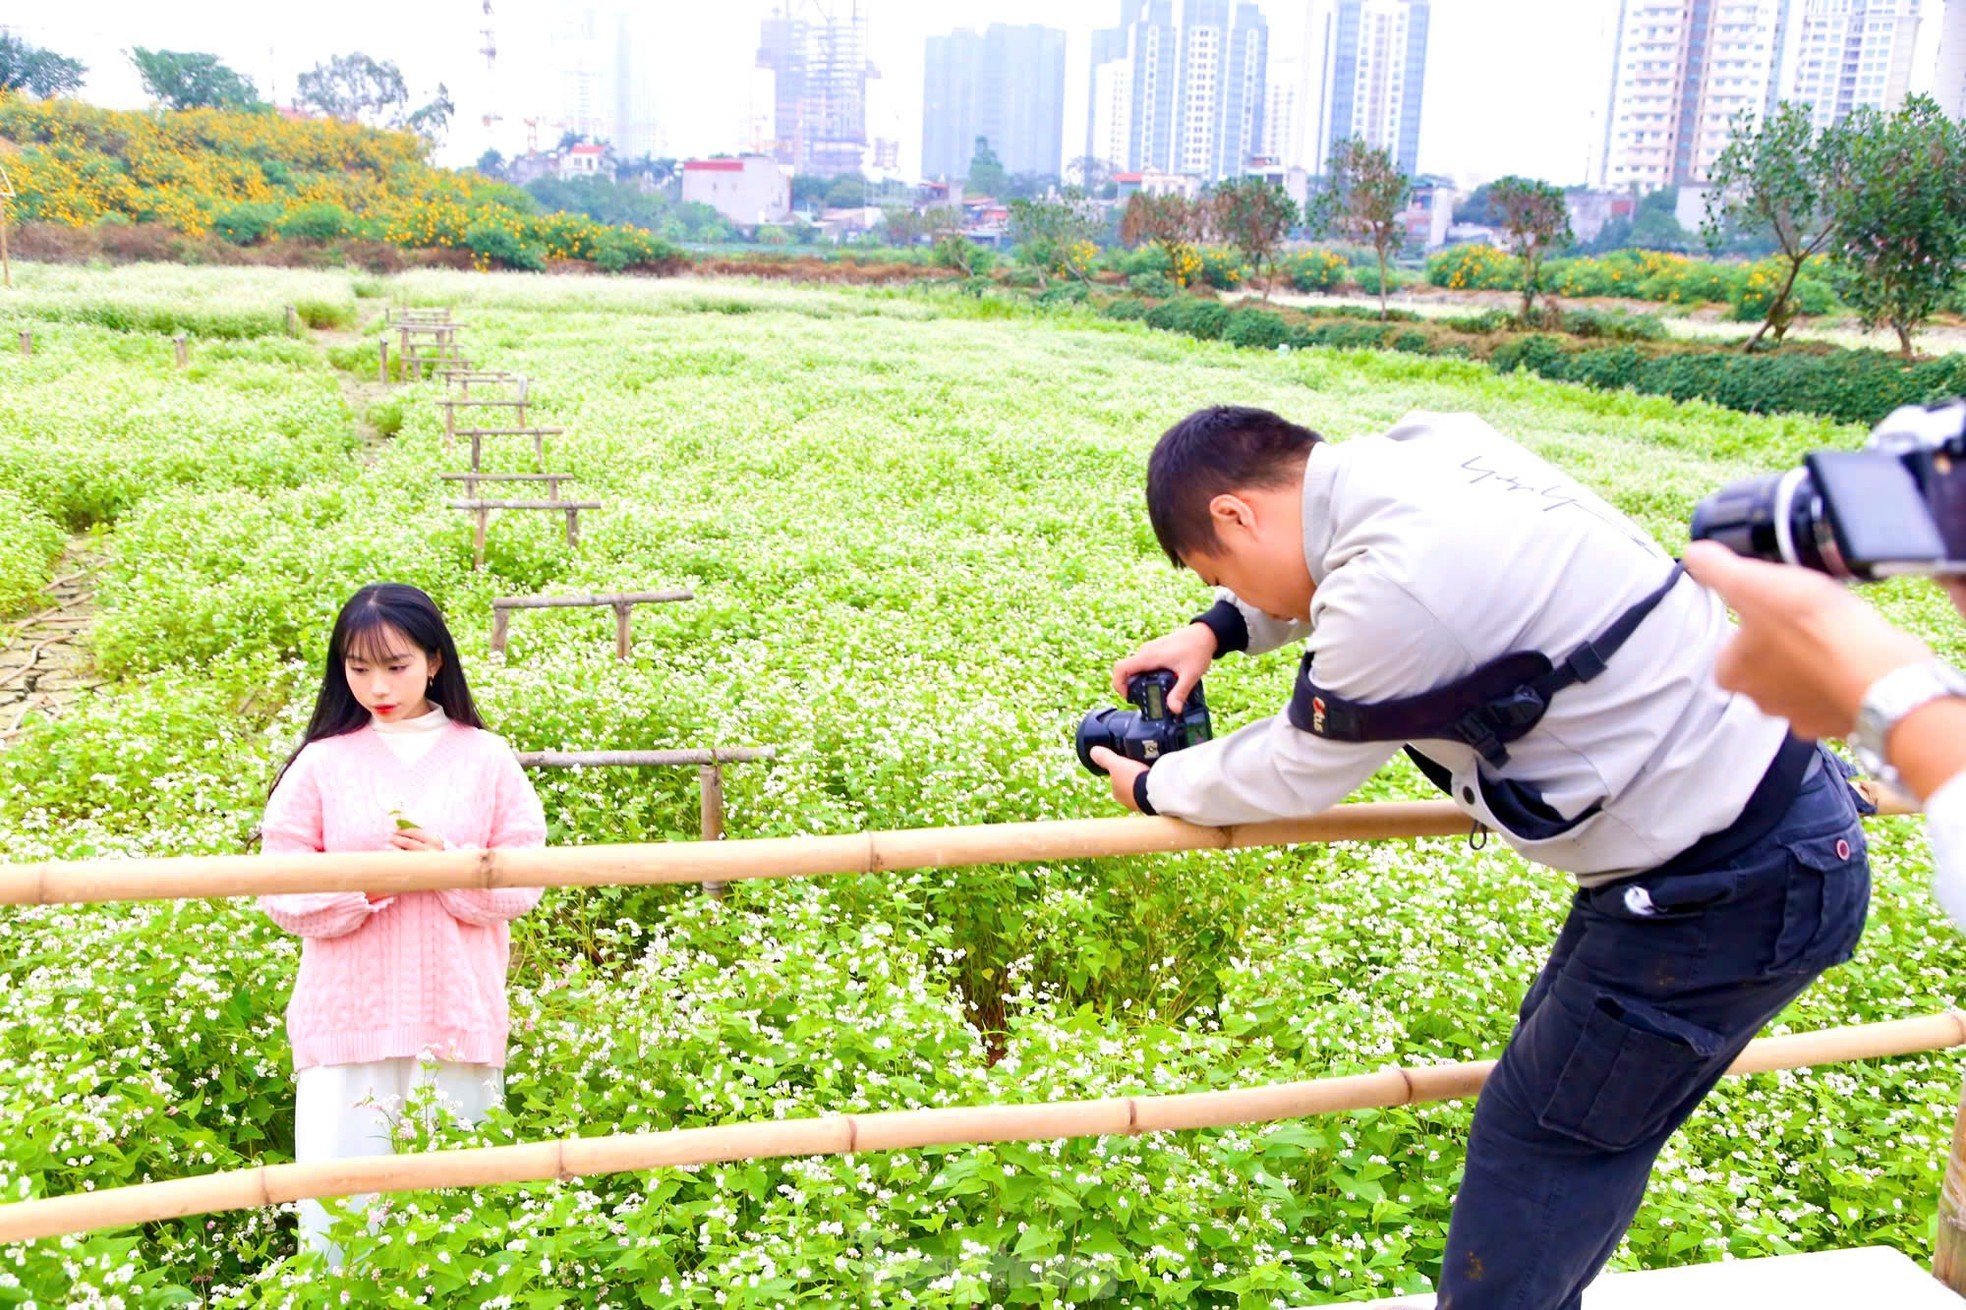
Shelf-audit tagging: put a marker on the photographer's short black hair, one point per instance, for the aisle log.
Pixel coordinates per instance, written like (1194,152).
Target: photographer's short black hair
(1217,450)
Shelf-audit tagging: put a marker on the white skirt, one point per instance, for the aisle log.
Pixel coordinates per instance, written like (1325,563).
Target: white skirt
(343,1110)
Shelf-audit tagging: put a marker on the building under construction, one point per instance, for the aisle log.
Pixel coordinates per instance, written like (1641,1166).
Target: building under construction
(817,55)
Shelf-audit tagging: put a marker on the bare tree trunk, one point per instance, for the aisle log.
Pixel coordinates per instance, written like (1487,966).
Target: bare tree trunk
(1903,330)
(1382,281)
(1775,305)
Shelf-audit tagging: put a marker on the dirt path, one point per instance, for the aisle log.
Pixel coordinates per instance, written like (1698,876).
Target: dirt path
(358,391)
(45,663)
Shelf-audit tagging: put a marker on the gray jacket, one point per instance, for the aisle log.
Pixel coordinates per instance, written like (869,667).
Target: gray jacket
(1441,545)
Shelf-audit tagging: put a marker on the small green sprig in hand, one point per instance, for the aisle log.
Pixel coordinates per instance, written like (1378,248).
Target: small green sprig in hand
(402,823)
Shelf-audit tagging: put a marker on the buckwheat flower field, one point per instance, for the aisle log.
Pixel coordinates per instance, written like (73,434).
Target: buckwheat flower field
(914,527)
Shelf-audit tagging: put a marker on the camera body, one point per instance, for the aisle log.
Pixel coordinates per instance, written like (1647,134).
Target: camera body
(1896,507)
(1149,731)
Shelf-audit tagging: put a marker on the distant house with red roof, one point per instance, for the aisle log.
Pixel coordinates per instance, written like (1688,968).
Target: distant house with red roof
(586,161)
(749,190)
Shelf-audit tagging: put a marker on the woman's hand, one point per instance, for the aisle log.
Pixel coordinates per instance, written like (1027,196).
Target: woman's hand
(415,839)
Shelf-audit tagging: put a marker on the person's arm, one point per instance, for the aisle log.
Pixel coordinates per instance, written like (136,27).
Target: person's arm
(518,822)
(292,824)
(1808,651)
(1945,828)
(1371,642)
(1241,627)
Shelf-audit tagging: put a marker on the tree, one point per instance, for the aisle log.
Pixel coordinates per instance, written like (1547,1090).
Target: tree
(907,227)
(1253,215)
(1899,206)
(1655,223)
(846,191)
(1055,236)
(1095,175)
(179,79)
(491,164)
(37,72)
(356,88)
(1365,201)
(986,171)
(434,119)
(1536,224)
(1777,174)
(1170,221)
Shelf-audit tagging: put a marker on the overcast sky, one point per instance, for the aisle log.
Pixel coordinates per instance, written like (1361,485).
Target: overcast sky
(1512,85)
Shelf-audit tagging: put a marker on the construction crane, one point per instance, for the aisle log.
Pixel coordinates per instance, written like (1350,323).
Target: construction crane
(490,51)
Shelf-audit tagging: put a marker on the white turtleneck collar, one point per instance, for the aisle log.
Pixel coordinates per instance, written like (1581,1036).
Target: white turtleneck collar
(411,739)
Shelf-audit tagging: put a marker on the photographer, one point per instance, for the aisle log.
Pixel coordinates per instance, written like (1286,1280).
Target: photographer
(1545,664)
(1816,654)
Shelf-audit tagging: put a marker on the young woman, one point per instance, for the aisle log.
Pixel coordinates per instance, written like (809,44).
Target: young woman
(395,992)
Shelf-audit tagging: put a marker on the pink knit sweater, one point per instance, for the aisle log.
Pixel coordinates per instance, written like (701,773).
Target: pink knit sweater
(419,973)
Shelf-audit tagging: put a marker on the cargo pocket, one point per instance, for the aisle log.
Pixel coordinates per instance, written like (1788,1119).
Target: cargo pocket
(1616,1068)
(1824,903)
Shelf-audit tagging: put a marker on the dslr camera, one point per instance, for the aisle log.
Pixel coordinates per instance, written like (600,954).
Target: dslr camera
(1897,506)
(1149,731)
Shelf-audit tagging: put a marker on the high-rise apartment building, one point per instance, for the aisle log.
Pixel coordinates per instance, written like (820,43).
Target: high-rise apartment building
(1182,83)
(1840,54)
(817,53)
(1005,84)
(1684,70)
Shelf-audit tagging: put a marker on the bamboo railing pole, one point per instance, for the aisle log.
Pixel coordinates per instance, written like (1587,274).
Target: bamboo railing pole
(1949,1242)
(183,344)
(847,1134)
(710,814)
(27,345)
(197,876)
(382,354)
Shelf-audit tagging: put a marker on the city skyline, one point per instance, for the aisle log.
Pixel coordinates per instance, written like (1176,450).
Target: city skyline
(1528,87)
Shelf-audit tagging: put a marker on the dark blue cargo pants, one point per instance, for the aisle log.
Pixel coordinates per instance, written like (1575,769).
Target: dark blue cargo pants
(1652,989)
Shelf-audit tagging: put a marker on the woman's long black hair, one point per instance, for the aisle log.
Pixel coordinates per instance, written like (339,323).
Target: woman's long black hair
(358,630)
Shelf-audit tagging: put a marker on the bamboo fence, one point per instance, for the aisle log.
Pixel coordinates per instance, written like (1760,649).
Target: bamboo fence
(889,1130)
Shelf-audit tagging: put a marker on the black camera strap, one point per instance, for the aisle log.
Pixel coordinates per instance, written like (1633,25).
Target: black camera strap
(1486,709)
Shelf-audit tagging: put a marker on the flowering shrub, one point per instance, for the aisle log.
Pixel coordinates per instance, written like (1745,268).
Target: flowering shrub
(30,542)
(1474,268)
(1219,266)
(250,176)
(1314,270)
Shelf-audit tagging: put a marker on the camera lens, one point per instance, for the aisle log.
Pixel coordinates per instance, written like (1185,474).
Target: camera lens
(1777,518)
(1099,729)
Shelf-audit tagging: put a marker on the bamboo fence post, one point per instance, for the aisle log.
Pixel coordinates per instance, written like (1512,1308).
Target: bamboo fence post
(383,354)
(710,785)
(26,345)
(573,527)
(622,630)
(1949,1245)
(293,321)
(501,627)
(477,451)
(885,1130)
(183,345)
(450,428)
(483,518)
(403,351)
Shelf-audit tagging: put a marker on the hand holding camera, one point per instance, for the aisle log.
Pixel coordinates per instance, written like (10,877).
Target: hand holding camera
(1898,506)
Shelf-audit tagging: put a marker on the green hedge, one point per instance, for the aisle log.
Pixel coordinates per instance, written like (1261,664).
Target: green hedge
(1852,386)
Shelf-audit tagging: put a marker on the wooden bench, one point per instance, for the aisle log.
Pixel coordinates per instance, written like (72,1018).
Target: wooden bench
(622,602)
(483,510)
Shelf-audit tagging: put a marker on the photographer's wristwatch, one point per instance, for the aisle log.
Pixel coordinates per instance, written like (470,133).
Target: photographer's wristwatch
(1889,699)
